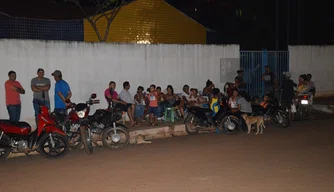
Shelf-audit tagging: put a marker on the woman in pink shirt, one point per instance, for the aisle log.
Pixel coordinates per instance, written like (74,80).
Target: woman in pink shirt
(154,98)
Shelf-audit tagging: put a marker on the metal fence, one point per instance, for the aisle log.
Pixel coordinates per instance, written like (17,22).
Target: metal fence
(253,64)
(21,28)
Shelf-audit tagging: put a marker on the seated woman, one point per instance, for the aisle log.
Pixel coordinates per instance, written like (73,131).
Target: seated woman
(195,99)
(232,102)
(161,103)
(302,85)
(140,103)
(207,91)
(173,100)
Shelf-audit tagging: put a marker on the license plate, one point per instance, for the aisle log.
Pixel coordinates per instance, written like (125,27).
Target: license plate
(304,102)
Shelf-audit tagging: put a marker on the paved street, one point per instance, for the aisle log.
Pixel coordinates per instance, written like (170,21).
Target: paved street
(296,159)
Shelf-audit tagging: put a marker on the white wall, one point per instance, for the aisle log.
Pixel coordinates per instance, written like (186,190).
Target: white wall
(89,67)
(316,60)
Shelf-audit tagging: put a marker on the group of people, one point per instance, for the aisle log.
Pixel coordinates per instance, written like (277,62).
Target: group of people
(40,86)
(154,101)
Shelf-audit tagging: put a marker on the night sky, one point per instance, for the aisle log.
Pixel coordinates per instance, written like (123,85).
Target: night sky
(250,23)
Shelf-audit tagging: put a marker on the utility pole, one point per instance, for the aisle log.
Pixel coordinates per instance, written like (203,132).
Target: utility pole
(288,26)
(277,25)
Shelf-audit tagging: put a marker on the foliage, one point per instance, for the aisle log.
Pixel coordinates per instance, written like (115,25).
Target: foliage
(107,9)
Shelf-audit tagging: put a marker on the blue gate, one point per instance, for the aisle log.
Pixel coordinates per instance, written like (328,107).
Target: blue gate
(253,64)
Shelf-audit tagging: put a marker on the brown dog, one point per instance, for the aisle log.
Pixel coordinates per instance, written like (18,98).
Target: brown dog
(250,120)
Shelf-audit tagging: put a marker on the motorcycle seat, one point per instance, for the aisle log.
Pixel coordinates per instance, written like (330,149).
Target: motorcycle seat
(205,110)
(20,124)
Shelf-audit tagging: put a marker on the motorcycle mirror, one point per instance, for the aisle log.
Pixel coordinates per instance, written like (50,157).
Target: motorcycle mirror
(93,96)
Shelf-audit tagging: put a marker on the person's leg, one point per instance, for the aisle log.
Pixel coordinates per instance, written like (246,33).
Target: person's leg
(155,115)
(11,112)
(18,112)
(129,111)
(151,115)
(36,109)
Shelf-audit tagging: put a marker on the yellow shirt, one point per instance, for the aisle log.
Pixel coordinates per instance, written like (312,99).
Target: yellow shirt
(213,101)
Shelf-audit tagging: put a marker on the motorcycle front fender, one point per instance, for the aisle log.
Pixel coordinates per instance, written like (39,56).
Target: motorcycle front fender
(54,129)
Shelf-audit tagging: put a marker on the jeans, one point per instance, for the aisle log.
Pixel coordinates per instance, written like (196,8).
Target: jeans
(14,112)
(139,111)
(36,104)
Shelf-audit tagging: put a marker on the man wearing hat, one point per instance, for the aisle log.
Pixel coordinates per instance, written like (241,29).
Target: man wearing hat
(40,86)
(62,92)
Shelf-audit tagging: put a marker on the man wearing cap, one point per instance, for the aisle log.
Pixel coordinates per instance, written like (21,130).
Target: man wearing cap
(40,86)
(269,78)
(62,92)
(287,92)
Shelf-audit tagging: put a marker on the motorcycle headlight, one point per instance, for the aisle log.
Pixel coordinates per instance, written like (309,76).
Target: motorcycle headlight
(81,114)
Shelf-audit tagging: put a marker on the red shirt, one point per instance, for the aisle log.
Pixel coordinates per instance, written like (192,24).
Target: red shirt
(153,97)
(12,96)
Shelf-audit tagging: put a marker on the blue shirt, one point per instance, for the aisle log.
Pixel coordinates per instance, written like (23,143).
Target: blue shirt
(63,88)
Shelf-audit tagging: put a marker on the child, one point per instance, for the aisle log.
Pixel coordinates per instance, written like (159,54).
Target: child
(154,98)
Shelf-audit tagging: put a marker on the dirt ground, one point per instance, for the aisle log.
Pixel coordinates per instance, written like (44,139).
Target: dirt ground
(299,158)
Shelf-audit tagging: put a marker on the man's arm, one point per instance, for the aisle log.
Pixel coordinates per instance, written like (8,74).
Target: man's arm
(115,100)
(20,89)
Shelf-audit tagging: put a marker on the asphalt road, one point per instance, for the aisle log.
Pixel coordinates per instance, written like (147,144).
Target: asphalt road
(297,159)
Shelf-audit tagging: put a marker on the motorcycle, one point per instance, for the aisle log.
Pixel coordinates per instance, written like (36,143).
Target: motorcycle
(273,113)
(204,118)
(79,116)
(103,127)
(302,107)
(17,137)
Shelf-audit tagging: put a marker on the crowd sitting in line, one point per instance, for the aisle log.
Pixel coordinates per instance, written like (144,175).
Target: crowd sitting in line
(154,101)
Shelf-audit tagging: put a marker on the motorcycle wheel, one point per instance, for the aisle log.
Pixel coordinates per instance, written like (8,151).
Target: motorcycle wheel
(230,125)
(187,122)
(109,143)
(4,152)
(281,119)
(86,140)
(61,148)
(78,144)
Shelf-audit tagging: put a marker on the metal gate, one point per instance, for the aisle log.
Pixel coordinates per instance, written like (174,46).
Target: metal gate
(253,64)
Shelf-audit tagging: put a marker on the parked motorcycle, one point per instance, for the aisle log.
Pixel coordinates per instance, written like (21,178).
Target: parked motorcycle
(204,118)
(104,127)
(79,116)
(302,107)
(273,113)
(47,139)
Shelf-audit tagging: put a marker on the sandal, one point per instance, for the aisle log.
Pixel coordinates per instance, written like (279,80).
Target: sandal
(135,125)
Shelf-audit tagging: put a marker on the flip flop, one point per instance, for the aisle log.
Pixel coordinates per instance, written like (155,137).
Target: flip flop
(135,125)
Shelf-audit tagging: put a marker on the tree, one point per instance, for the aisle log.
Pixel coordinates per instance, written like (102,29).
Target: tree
(107,9)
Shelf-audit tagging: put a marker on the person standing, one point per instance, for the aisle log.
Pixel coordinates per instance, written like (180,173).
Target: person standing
(270,82)
(40,86)
(13,90)
(62,92)
(288,93)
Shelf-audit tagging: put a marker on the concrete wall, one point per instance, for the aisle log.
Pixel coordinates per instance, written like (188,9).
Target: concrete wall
(316,60)
(89,67)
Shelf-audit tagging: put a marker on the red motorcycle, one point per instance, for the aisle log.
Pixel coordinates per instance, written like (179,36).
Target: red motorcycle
(79,115)
(47,139)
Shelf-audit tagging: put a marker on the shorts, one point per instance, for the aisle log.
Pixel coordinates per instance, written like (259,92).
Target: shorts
(123,107)
(154,111)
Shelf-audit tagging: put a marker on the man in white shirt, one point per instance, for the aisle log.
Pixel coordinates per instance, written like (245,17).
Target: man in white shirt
(126,96)
(185,94)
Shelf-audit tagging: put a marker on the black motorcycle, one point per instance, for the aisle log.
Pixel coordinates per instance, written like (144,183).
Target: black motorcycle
(273,113)
(204,118)
(104,126)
